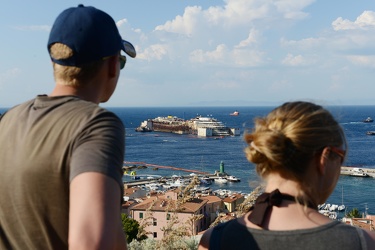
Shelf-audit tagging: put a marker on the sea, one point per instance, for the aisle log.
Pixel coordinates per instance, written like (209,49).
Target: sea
(207,153)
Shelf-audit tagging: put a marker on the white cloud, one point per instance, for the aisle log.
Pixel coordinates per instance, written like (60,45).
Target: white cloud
(248,58)
(367,61)
(121,22)
(153,52)
(46,28)
(200,56)
(185,24)
(365,21)
(233,13)
(292,60)
(250,40)
(293,9)
(303,44)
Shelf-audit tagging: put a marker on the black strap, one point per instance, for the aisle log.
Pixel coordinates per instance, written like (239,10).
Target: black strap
(266,201)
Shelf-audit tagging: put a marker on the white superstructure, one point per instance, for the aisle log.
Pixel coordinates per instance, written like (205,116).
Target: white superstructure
(200,123)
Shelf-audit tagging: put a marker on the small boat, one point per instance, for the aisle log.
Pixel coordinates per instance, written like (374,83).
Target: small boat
(143,129)
(333,207)
(233,178)
(368,119)
(341,208)
(321,206)
(332,215)
(358,172)
(235,113)
(370,133)
(221,180)
(205,181)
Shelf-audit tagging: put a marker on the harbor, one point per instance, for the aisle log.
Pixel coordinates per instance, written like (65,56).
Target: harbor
(219,176)
(205,178)
(192,152)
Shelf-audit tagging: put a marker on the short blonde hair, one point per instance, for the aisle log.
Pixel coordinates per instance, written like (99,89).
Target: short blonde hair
(72,75)
(286,140)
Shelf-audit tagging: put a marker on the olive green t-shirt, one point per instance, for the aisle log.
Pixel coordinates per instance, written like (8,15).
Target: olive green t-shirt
(45,143)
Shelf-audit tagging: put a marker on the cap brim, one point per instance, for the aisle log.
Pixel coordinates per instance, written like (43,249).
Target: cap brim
(128,48)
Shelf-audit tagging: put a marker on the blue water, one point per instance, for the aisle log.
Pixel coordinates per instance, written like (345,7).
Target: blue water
(205,154)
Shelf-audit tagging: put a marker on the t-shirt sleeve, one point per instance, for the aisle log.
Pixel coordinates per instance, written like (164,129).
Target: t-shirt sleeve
(99,147)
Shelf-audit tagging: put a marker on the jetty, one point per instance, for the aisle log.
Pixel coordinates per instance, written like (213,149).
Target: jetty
(166,167)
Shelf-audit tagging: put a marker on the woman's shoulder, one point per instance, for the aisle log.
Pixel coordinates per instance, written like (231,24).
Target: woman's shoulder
(215,236)
(205,240)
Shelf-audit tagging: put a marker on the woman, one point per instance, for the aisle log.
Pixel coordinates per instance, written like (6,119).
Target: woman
(298,150)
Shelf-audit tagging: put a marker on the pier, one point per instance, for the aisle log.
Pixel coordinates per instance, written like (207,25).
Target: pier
(166,167)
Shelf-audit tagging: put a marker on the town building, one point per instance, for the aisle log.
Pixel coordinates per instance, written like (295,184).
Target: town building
(196,213)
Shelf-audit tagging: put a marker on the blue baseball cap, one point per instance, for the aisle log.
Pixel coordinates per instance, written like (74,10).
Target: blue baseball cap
(91,33)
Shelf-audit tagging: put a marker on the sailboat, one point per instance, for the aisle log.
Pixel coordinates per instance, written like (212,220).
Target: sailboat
(342,206)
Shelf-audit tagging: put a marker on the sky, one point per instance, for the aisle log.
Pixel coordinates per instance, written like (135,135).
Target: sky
(209,52)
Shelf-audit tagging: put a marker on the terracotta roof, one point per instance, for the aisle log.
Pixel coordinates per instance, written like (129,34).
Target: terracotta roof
(128,203)
(163,204)
(130,190)
(362,223)
(232,198)
(211,198)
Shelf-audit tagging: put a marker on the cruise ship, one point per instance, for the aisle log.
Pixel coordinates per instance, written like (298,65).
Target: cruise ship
(209,126)
(201,126)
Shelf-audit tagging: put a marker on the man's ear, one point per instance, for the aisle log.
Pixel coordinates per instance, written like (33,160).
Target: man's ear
(323,160)
(113,63)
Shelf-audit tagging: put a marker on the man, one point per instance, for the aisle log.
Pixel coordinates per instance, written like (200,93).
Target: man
(61,155)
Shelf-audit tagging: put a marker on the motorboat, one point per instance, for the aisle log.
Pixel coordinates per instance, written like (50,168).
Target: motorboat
(232,178)
(205,181)
(333,207)
(358,172)
(221,180)
(341,208)
(368,119)
(235,113)
(370,133)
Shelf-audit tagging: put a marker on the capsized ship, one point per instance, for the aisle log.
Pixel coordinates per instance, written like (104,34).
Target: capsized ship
(201,126)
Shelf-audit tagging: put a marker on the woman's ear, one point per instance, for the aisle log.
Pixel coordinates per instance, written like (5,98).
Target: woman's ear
(323,160)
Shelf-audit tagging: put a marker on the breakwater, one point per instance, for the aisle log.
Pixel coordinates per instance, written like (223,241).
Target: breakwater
(166,167)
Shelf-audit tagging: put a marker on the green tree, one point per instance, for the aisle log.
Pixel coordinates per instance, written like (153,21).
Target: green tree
(130,227)
(354,213)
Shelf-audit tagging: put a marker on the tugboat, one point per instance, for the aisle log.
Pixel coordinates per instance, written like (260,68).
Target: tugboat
(368,119)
